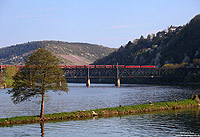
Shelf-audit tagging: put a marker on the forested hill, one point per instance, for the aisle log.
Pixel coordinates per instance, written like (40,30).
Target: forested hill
(177,45)
(70,53)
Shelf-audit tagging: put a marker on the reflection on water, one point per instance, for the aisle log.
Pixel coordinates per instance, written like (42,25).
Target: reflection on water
(80,97)
(42,128)
(173,123)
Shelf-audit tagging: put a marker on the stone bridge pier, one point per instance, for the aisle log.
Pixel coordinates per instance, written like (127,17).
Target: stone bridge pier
(117,82)
(88,82)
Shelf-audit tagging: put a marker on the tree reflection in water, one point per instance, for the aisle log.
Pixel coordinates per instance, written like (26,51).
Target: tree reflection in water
(42,128)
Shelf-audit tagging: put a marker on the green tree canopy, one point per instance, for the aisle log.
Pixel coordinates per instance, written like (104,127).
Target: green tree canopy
(2,77)
(9,73)
(41,73)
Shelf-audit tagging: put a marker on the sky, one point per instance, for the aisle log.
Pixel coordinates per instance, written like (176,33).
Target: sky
(110,23)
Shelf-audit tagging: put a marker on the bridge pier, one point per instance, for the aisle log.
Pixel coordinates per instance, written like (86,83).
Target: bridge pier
(117,82)
(88,82)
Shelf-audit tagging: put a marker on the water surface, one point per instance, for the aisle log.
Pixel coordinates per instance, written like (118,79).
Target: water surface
(97,96)
(79,97)
(162,124)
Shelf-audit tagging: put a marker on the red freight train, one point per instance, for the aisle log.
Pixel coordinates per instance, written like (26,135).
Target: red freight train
(90,66)
(147,66)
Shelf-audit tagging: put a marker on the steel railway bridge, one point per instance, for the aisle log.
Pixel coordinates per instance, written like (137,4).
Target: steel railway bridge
(118,72)
(128,73)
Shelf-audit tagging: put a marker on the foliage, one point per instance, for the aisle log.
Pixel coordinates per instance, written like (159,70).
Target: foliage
(193,78)
(196,62)
(173,66)
(14,54)
(2,77)
(40,74)
(9,73)
(176,46)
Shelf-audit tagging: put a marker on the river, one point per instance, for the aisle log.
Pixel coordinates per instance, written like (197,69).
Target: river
(80,97)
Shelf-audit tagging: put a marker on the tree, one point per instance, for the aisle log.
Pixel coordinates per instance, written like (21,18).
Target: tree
(141,37)
(41,73)
(149,37)
(2,77)
(9,73)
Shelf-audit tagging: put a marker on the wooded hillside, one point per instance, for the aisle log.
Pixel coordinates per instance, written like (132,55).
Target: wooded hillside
(176,45)
(70,53)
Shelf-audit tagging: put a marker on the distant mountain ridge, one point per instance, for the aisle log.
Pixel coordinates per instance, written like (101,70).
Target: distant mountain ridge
(177,45)
(70,53)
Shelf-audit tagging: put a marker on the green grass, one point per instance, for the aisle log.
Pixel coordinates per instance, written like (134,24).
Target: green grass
(124,110)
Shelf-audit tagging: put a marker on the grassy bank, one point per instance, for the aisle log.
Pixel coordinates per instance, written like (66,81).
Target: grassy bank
(105,112)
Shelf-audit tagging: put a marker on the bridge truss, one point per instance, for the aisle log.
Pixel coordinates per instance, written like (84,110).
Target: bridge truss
(128,72)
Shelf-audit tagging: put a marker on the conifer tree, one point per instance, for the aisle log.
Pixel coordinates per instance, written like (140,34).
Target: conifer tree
(41,73)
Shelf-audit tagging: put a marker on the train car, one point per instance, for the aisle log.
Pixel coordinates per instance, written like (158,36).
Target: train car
(80,66)
(130,66)
(2,66)
(100,66)
(109,66)
(90,66)
(119,66)
(70,66)
(148,66)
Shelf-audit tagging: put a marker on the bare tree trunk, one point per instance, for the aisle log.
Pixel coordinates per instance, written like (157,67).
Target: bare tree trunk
(42,106)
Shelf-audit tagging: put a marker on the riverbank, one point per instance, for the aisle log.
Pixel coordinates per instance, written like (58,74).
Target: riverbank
(105,112)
